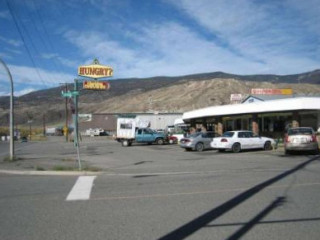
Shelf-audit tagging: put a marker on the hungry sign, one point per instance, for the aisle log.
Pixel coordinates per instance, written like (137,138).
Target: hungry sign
(95,71)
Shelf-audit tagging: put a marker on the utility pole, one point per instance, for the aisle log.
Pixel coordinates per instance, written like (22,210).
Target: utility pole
(11,111)
(75,94)
(76,125)
(30,130)
(44,124)
(67,117)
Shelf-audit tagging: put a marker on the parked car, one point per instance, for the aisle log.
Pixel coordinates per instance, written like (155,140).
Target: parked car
(104,133)
(300,139)
(198,141)
(172,140)
(239,140)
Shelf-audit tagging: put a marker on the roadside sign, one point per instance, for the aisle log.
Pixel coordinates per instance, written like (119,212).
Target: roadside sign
(271,91)
(236,97)
(70,94)
(96,85)
(95,70)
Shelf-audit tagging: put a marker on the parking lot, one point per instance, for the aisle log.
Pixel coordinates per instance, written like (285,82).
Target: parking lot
(164,192)
(109,156)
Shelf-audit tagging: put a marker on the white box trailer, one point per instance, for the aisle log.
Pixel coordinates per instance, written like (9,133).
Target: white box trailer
(51,131)
(126,127)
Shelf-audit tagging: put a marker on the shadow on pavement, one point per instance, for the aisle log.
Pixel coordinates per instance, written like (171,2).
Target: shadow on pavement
(238,234)
(267,222)
(201,221)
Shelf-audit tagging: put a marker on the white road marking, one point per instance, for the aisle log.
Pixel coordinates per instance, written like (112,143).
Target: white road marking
(81,189)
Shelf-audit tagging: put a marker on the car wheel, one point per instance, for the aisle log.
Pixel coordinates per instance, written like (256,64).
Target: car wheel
(125,143)
(236,147)
(160,141)
(199,147)
(267,146)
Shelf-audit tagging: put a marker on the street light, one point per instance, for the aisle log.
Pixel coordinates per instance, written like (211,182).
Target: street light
(11,111)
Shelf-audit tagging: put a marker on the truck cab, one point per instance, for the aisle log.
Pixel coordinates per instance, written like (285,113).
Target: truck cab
(147,135)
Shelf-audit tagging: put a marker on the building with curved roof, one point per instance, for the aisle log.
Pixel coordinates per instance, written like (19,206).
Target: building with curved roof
(261,116)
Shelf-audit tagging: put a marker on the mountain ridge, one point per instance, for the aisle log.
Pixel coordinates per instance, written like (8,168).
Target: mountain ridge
(160,93)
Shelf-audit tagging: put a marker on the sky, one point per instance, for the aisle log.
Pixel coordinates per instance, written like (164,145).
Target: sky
(43,42)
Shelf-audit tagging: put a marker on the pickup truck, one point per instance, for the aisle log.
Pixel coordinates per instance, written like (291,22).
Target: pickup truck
(131,130)
(145,135)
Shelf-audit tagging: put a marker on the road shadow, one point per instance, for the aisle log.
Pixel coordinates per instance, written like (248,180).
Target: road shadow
(317,219)
(194,225)
(248,226)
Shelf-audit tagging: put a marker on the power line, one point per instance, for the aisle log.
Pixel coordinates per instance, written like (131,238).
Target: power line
(24,42)
(47,43)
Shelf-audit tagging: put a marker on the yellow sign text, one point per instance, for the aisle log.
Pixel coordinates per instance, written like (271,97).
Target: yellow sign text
(96,85)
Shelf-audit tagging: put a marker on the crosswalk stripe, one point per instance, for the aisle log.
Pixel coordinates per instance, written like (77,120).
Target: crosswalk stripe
(81,189)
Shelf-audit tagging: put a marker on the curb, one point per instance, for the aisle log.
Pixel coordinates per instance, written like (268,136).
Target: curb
(50,173)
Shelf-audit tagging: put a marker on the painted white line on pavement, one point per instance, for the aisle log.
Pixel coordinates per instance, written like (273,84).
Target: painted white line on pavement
(81,189)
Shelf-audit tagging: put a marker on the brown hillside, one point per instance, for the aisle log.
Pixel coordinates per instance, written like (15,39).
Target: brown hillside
(179,96)
(188,96)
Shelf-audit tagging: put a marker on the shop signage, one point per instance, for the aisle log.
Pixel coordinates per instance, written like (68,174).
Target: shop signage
(85,117)
(95,70)
(236,97)
(270,91)
(96,85)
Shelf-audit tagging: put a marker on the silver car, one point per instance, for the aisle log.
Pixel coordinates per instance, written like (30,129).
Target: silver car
(198,141)
(300,139)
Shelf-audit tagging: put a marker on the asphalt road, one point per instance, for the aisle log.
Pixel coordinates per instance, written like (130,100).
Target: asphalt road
(163,192)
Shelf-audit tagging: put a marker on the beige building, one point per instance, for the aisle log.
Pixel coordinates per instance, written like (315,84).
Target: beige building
(108,121)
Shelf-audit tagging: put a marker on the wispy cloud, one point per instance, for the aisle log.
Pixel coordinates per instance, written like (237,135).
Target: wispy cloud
(169,37)
(5,15)
(19,93)
(28,76)
(172,48)
(160,49)
(61,60)
(12,42)
(24,91)
(5,55)
(271,32)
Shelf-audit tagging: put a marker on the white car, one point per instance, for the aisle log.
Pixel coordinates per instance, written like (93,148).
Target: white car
(239,140)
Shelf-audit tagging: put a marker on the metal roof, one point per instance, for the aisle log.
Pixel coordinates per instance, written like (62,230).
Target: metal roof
(280,105)
(267,97)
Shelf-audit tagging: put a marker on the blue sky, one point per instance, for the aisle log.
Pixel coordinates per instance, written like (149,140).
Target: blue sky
(44,41)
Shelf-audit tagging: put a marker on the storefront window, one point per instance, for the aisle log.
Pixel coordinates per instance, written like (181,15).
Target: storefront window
(229,125)
(238,124)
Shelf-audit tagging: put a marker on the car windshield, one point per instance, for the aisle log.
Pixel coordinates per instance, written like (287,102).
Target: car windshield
(300,131)
(228,134)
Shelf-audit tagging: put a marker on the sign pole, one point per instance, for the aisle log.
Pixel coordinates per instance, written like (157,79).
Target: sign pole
(93,71)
